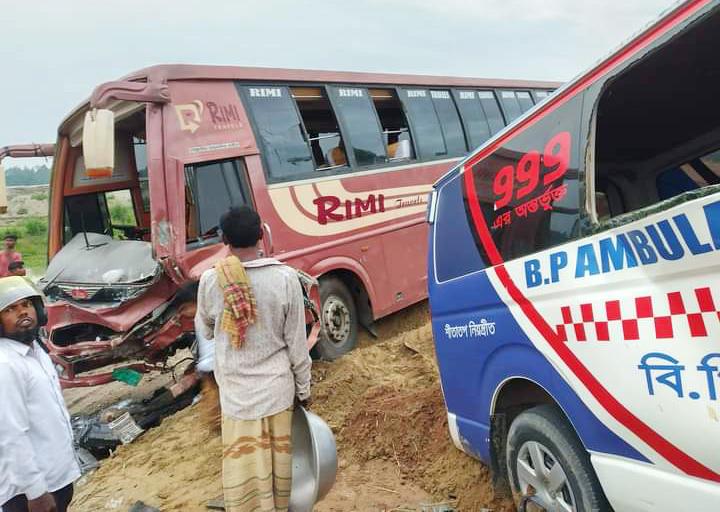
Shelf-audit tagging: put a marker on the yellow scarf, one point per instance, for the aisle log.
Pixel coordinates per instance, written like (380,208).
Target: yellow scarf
(240,308)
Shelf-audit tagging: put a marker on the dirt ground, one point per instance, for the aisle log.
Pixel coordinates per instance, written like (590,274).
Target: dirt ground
(384,403)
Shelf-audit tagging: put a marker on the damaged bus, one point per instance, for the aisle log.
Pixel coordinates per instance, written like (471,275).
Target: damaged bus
(338,165)
(574,270)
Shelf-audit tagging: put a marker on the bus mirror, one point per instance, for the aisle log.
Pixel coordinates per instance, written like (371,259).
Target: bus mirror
(3,191)
(99,143)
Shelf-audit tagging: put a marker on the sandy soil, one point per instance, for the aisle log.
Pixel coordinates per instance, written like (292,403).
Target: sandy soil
(384,404)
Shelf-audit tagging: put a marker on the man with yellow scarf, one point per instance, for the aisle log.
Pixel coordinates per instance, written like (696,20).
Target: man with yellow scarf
(253,308)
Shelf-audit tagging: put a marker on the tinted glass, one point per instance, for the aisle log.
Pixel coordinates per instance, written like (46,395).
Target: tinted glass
(279,131)
(528,191)
(453,256)
(511,105)
(424,122)
(492,111)
(140,150)
(473,116)
(525,101)
(357,116)
(449,122)
(213,188)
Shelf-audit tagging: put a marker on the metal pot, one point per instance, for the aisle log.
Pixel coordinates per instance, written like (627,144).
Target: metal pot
(314,460)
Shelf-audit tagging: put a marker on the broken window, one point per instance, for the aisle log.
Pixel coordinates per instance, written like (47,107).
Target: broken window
(658,125)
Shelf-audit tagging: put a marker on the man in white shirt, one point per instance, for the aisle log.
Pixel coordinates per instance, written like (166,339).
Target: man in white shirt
(37,460)
(254,310)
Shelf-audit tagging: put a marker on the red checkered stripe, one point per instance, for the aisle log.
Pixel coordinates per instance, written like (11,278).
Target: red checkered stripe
(588,322)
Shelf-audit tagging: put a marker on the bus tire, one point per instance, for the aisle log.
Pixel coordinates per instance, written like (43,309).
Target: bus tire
(340,321)
(542,438)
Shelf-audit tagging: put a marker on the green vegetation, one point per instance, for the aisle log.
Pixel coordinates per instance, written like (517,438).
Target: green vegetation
(22,211)
(41,196)
(31,243)
(23,176)
(121,214)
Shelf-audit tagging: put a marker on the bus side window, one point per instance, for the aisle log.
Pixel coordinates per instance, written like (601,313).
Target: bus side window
(449,122)
(425,124)
(211,188)
(140,152)
(396,133)
(321,127)
(511,105)
(360,124)
(279,131)
(492,111)
(524,100)
(540,95)
(476,123)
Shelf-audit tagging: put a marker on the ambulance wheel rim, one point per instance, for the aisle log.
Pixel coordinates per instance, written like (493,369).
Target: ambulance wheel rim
(540,475)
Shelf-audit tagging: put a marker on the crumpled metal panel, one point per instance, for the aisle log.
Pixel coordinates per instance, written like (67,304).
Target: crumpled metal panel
(102,260)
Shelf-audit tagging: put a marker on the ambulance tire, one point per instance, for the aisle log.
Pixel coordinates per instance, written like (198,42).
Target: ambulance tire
(339,334)
(544,430)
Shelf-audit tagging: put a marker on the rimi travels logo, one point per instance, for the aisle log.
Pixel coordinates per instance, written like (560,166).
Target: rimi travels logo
(222,116)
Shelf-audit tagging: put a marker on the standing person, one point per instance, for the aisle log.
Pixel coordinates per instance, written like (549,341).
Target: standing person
(253,307)
(9,254)
(17,268)
(37,459)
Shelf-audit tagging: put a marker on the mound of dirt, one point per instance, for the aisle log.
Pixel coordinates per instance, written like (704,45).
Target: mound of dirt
(384,403)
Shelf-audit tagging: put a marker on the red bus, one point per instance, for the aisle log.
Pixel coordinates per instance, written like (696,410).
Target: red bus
(337,164)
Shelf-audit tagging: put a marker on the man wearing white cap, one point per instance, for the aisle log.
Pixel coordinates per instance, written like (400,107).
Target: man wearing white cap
(37,459)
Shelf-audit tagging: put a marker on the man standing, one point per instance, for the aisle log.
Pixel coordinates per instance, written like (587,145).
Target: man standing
(8,255)
(253,307)
(37,459)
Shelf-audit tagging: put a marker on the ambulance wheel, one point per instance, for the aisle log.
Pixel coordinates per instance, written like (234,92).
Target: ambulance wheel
(546,462)
(340,322)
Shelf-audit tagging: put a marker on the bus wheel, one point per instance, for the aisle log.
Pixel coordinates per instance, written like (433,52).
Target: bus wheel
(340,321)
(548,465)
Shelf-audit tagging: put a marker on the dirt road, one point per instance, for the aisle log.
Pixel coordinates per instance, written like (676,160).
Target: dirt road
(384,404)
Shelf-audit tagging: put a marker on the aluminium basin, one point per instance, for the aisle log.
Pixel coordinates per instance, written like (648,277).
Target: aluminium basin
(314,460)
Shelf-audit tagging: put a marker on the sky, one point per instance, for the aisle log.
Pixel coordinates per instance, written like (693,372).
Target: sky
(54,53)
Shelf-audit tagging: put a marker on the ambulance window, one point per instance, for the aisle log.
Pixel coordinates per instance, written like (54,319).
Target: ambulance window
(449,122)
(425,125)
(357,115)
(660,144)
(396,132)
(492,111)
(210,190)
(540,95)
(321,128)
(527,191)
(473,116)
(511,105)
(279,131)
(454,252)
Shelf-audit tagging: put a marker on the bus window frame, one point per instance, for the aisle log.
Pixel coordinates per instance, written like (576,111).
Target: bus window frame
(352,168)
(342,123)
(247,189)
(412,122)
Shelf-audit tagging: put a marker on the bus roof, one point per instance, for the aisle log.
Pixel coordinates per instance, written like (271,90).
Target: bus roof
(202,72)
(169,72)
